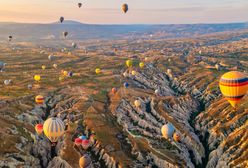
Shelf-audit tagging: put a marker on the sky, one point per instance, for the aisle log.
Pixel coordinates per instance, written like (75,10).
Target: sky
(140,11)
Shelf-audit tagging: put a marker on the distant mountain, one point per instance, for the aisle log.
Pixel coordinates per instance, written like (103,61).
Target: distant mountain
(77,30)
(69,22)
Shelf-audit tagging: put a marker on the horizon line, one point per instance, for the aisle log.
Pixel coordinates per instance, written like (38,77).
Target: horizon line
(85,23)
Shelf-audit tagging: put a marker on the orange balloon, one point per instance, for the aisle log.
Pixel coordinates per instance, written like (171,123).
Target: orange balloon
(114,90)
(176,136)
(39,99)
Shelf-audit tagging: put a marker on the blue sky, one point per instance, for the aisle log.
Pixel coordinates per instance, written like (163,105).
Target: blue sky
(141,11)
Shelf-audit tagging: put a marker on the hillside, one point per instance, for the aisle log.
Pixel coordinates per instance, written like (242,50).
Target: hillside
(178,84)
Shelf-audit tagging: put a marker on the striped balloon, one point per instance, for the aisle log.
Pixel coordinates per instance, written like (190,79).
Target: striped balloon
(53,128)
(39,99)
(234,86)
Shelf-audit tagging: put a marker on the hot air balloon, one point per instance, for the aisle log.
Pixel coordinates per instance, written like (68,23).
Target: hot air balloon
(39,99)
(217,66)
(65,34)
(146,58)
(126,85)
(137,103)
(83,137)
(78,141)
(61,78)
(30,86)
(43,67)
(42,52)
(85,144)
(114,90)
(37,78)
(39,128)
(134,73)
(55,66)
(85,162)
(51,57)
(141,64)
(125,74)
(2,65)
(129,63)
(65,73)
(6,82)
(167,130)
(79,5)
(234,86)
(10,38)
(70,74)
(54,128)
(169,71)
(176,137)
(98,70)
(61,19)
(92,139)
(74,45)
(124,8)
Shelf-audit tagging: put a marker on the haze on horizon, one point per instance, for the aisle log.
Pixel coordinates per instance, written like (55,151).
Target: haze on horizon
(141,11)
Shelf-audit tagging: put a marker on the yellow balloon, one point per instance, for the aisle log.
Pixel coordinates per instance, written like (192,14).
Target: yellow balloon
(53,128)
(43,67)
(37,78)
(65,73)
(129,63)
(141,64)
(137,103)
(98,70)
(234,86)
(61,78)
(39,99)
(134,73)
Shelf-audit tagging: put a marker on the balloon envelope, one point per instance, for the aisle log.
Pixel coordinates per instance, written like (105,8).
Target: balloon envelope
(176,136)
(233,86)
(114,90)
(124,8)
(98,70)
(39,128)
(141,64)
(126,85)
(85,162)
(53,129)
(61,19)
(167,130)
(137,103)
(85,144)
(37,78)
(39,99)
(129,63)
(78,141)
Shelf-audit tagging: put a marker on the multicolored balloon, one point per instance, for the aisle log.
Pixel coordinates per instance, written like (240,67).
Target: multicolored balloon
(233,86)
(54,128)
(39,99)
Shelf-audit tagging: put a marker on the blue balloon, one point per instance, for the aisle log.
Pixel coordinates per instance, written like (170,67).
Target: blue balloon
(126,85)
(83,137)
